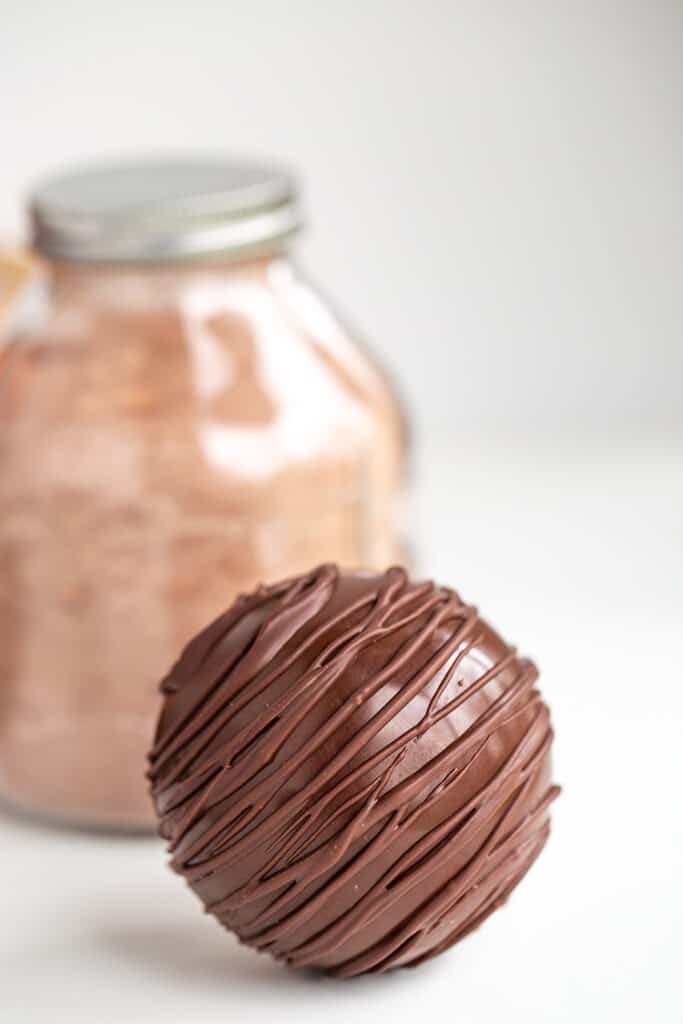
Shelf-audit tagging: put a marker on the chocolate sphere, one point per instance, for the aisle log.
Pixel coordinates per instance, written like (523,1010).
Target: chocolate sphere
(352,771)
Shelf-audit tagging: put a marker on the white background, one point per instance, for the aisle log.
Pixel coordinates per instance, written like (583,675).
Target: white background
(493,187)
(494,193)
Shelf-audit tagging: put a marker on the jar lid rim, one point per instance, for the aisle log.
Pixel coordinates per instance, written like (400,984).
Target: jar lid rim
(164,210)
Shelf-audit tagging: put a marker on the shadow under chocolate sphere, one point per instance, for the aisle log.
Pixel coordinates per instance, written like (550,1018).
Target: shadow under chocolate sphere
(203,959)
(196,955)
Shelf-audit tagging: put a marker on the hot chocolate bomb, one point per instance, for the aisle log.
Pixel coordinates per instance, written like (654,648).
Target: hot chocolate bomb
(352,771)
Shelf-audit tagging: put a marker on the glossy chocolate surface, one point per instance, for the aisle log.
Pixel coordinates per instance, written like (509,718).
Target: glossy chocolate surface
(352,771)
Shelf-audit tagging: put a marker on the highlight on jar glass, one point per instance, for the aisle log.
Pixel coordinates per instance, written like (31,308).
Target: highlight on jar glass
(182,418)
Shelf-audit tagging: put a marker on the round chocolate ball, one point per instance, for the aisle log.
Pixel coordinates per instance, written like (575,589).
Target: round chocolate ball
(352,771)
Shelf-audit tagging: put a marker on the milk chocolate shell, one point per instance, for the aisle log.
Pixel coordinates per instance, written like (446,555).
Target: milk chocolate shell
(352,771)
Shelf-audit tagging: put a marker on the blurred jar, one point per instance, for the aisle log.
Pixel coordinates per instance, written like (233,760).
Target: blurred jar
(187,419)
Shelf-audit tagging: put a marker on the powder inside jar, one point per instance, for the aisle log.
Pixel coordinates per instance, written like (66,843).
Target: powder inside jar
(168,438)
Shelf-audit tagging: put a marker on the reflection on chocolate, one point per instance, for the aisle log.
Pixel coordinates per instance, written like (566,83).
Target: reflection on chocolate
(352,771)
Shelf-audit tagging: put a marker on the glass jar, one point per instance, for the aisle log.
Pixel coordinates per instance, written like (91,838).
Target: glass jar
(187,419)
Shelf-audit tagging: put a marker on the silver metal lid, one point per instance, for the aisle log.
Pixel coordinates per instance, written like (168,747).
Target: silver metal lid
(159,211)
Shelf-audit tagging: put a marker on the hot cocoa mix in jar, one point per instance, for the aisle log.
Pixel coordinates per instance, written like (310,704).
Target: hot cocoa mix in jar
(186,420)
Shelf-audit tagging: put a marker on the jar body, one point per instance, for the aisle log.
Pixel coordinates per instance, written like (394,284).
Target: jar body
(168,438)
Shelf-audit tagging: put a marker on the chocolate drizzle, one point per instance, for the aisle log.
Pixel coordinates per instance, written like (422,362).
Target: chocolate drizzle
(352,771)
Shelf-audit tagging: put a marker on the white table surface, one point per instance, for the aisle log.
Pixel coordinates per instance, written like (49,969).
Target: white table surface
(576,553)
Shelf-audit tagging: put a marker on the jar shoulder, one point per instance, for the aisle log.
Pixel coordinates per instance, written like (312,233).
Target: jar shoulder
(230,347)
(220,376)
